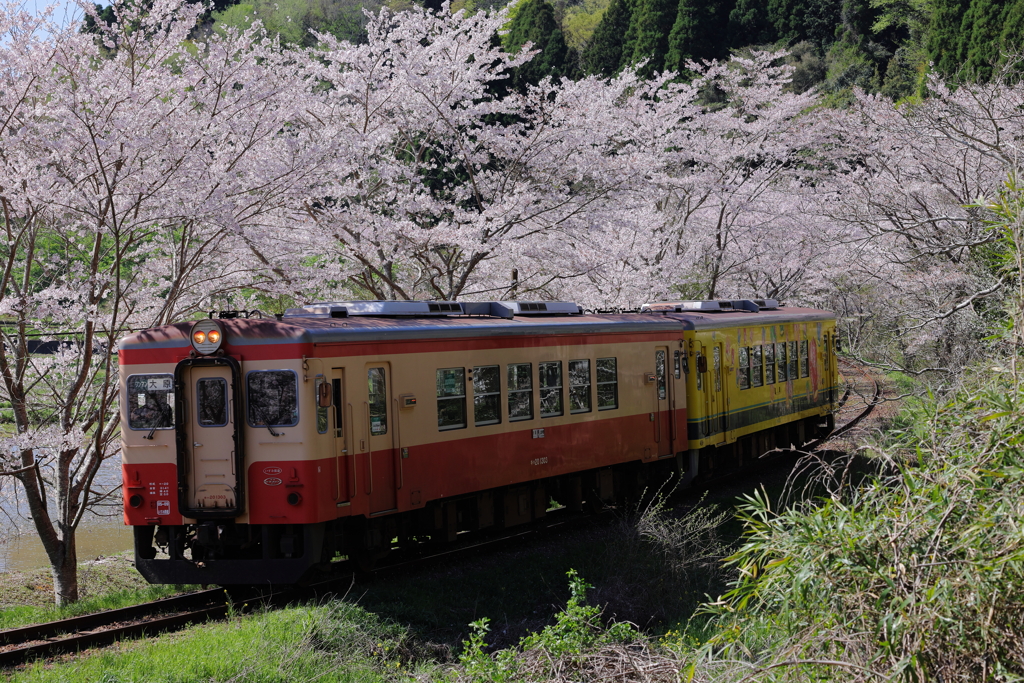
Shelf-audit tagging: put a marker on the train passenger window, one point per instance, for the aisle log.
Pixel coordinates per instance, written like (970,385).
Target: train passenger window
(607,384)
(744,371)
(520,392)
(451,398)
(769,363)
(804,367)
(551,388)
(212,402)
(272,396)
(150,402)
(756,378)
(378,401)
(793,361)
(659,373)
(780,356)
(579,386)
(321,412)
(487,395)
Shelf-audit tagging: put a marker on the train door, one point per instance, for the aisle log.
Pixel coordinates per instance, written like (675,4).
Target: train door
(340,428)
(717,410)
(663,417)
(380,430)
(210,438)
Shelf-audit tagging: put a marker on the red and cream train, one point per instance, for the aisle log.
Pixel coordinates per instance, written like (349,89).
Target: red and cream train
(255,450)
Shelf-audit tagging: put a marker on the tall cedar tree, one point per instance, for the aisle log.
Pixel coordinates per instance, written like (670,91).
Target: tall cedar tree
(698,33)
(535,23)
(603,54)
(1012,37)
(944,35)
(981,27)
(651,23)
(749,25)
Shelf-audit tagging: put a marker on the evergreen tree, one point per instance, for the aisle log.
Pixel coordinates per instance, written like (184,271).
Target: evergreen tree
(981,28)
(535,23)
(699,32)
(603,54)
(1012,38)
(653,20)
(787,18)
(821,19)
(749,25)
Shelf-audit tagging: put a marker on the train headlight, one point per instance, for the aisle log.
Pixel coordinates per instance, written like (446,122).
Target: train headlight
(206,336)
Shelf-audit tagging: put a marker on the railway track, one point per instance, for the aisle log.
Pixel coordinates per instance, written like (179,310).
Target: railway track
(21,645)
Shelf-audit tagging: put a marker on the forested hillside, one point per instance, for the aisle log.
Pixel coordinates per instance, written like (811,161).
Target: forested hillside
(884,46)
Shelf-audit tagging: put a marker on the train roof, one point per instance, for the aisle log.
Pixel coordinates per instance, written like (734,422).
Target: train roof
(362,328)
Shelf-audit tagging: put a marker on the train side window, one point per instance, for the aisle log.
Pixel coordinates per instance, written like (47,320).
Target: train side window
(744,371)
(793,361)
(551,388)
(659,372)
(678,363)
(150,402)
(716,356)
(487,395)
(378,401)
(212,402)
(579,386)
(804,368)
(699,375)
(451,398)
(321,412)
(780,356)
(769,363)
(607,384)
(272,397)
(520,392)
(756,378)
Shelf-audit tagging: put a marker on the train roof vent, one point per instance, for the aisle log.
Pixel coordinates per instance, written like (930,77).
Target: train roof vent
(714,305)
(342,309)
(541,307)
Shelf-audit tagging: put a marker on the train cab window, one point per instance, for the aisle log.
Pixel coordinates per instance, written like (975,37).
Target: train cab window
(487,395)
(744,372)
(756,378)
(579,386)
(607,384)
(272,396)
(520,392)
(551,388)
(378,401)
(212,402)
(339,422)
(678,363)
(150,402)
(451,398)
(769,363)
(793,361)
(321,412)
(716,356)
(659,374)
(699,374)
(804,366)
(780,356)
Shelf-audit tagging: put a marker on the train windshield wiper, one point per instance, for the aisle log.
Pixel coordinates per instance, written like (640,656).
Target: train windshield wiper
(266,422)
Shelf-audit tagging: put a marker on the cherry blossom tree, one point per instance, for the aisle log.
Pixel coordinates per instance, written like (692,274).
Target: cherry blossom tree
(137,173)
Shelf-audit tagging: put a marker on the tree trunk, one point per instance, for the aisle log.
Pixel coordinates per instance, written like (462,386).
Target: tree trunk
(65,573)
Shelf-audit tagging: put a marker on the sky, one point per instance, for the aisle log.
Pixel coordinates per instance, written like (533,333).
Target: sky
(64,12)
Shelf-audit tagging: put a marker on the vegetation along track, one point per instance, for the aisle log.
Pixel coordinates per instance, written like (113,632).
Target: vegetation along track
(23,644)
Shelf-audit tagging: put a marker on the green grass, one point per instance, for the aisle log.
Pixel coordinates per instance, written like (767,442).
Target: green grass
(22,615)
(335,642)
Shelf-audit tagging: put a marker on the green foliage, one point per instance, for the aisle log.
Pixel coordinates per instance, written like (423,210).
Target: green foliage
(534,22)
(294,20)
(698,33)
(603,54)
(916,573)
(580,22)
(649,29)
(749,25)
(576,632)
(981,27)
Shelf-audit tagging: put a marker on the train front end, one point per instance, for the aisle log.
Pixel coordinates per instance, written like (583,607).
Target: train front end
(196,453)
